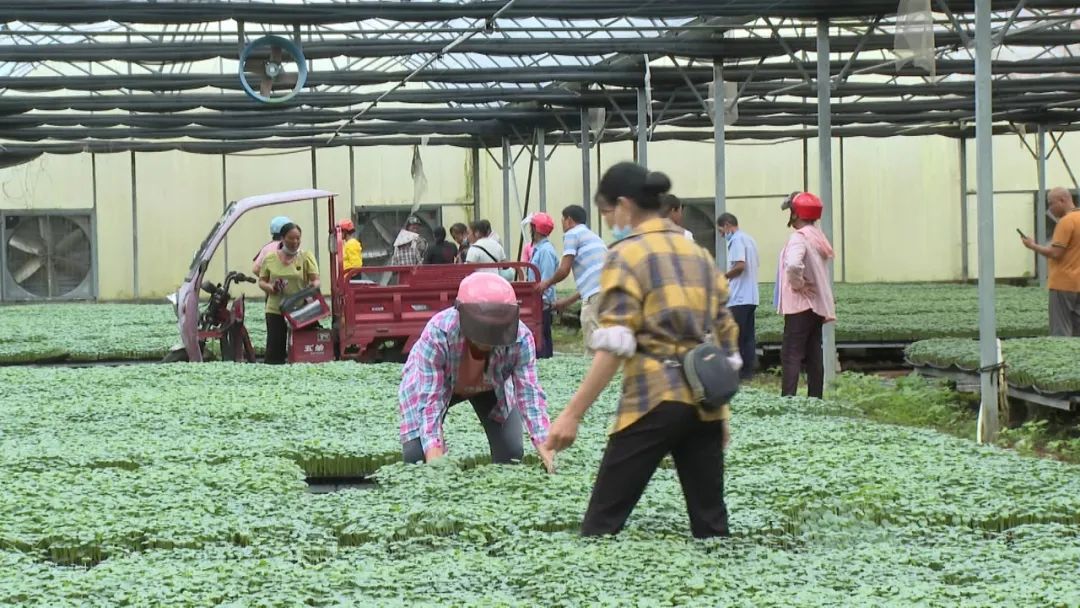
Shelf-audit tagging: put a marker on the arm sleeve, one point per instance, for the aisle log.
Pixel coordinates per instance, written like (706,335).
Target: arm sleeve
(472,256)
(621,308)
(794,263)
(311,267)
(570,244)
(737,251)
(423,392)
(530,397)
(1064,231)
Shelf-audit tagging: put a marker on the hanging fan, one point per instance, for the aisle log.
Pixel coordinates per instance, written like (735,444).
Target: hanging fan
(263,69)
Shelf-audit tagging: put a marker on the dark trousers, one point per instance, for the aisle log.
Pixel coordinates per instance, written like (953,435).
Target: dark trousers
(503,439)
(1064,313)
(276,336)
(632,456)
(547,349)
(744,318)
(802,345)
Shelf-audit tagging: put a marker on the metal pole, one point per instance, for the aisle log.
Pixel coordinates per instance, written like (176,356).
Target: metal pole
(134,230)
(586,179)
(719,162)
(541,153)
(965,241)
(642,129)
(352,183)
(1040,206)
(824,91)
(315,206)
(475,183)
(507,159)
(984,168)
(843,216)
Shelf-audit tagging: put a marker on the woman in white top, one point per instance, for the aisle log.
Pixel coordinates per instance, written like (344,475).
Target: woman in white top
(483,248)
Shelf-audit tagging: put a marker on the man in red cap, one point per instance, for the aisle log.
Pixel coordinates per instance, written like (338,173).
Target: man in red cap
(471,352)
(543,256)
(804,295)
(353,252)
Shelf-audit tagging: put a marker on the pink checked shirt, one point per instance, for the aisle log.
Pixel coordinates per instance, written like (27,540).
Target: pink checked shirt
(430,375)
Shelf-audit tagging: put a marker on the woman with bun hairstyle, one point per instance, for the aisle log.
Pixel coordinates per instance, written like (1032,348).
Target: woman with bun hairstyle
(660,296)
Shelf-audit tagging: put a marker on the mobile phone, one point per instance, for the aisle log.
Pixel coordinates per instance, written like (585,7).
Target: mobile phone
(1020,233)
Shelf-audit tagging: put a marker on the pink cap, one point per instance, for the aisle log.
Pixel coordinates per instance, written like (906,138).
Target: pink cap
(485,288)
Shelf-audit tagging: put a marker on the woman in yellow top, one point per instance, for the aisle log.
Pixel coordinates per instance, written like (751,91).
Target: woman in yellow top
(660,296)
(287,271)
(353,251)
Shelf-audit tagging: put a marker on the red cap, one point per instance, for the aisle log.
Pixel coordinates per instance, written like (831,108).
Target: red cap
(805,205)
(543,223)
(346,225)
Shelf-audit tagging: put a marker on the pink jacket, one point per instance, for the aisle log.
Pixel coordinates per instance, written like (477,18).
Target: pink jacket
(804,278)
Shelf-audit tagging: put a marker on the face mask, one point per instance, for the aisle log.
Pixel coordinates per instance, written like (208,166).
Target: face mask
(287,251)
(728,236)
(621,232)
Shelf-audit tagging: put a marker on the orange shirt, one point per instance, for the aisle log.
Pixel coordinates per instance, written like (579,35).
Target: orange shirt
(1064,273)
(470,376)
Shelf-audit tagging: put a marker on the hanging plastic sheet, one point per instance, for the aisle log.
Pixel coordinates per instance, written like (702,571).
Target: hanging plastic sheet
(915,35)
(648,92)
(419,178)
(731,102)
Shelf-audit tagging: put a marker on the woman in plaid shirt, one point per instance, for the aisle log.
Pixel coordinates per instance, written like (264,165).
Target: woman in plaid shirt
(660,295)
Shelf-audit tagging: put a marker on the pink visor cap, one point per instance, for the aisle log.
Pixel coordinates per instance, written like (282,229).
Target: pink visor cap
(488,309)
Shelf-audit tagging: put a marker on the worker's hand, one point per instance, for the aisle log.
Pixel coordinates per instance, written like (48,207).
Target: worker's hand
(433,453)
(1028,242)
(562,433)
(542,286)
(562,305)
(547,456)
(725,436)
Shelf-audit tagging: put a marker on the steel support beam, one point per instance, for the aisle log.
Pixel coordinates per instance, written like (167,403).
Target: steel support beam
(825,170)
(642,129)
(475,155)
(984,169)
(1040,204)
(507,160)
(586,178)
(720,161)
(965,240)
(541,154)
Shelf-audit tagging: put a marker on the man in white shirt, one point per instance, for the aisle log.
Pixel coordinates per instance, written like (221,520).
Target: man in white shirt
(742,276)
(671,208)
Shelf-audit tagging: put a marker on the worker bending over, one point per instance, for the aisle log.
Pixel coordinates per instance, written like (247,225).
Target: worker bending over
(470,352)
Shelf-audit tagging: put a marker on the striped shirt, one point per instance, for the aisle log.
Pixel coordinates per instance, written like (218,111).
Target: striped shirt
(430,375)
(667,290)
(589,252)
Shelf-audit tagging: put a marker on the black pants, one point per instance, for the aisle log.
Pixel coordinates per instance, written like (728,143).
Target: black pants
(632,456)
(547,349)
(744,318)
(276,335)
(802,345)
(504,439)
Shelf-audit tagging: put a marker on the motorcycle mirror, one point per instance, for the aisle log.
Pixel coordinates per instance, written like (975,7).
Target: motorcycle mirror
(209,287)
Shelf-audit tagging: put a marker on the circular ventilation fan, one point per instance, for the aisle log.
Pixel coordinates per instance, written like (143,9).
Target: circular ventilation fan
(47,256)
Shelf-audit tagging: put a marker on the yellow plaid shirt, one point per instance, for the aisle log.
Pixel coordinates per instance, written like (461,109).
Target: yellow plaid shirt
(656,283)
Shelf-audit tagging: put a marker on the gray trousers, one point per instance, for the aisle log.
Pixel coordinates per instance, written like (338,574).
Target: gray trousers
(1065,313)
(504,439)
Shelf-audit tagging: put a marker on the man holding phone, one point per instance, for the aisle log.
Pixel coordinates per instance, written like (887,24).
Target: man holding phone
(1063,263)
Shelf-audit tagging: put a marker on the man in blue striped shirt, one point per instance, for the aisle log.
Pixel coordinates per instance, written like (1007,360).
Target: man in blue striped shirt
(584,253)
